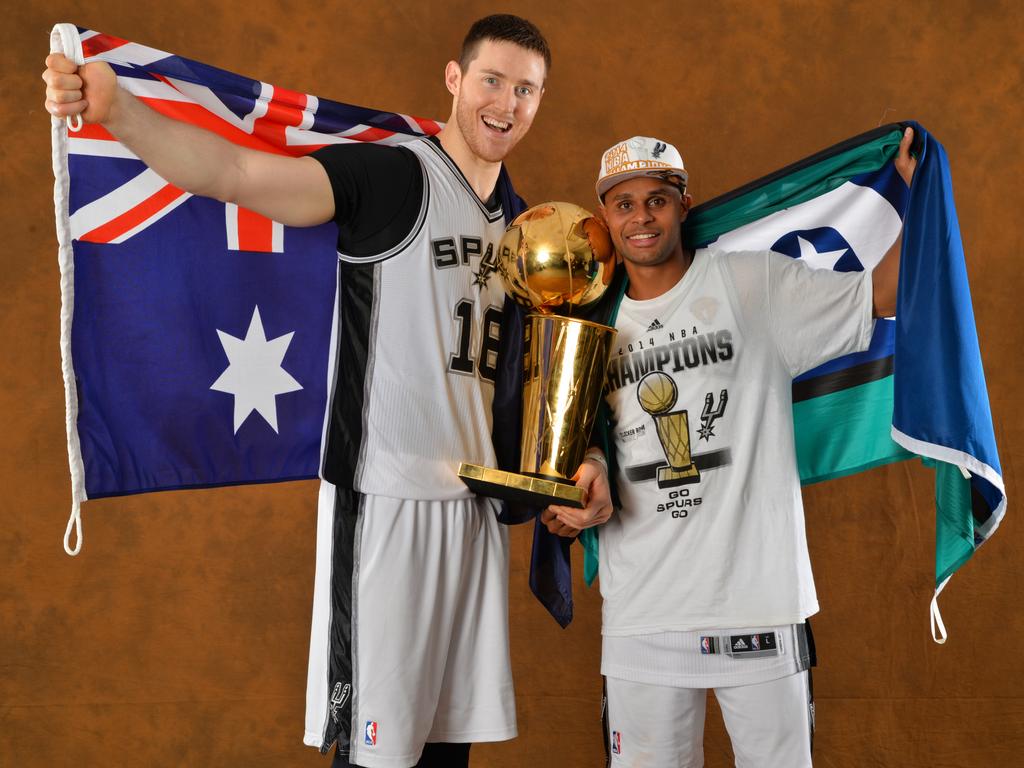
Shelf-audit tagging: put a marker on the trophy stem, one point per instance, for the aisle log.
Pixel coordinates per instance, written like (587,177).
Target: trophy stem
(566,365)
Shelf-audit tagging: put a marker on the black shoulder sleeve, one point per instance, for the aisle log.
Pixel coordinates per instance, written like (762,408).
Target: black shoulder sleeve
(378,193)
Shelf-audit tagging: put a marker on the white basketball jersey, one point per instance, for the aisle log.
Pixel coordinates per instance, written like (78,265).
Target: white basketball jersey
(417,347)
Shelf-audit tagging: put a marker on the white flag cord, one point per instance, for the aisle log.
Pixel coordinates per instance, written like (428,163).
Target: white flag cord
(933,609)
(65,39)
(936,617)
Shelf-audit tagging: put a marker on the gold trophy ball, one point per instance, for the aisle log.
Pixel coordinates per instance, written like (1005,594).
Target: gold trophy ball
(656,392)
(556,256)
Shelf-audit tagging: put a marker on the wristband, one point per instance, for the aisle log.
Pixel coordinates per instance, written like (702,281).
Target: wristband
(597,455)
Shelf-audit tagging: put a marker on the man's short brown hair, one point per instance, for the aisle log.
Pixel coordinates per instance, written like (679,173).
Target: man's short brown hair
(504,27)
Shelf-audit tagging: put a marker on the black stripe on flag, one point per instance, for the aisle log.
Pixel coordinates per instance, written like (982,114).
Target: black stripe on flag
(980,510)
(855,375)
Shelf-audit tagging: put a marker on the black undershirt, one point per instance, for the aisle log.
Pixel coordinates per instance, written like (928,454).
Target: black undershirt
(378,193)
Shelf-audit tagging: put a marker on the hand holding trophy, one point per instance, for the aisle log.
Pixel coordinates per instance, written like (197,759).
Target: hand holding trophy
(554,257)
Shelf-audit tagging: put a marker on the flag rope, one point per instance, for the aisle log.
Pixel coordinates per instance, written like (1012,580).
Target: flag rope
(64,38)
(936,617)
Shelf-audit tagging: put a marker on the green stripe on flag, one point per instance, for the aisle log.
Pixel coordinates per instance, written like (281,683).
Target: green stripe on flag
(848,431)
(954,523)
(788,188)
(845,432)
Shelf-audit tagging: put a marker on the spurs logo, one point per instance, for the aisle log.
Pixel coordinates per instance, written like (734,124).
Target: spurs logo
(710,414)
(488,266)
(659,147)
(338,698)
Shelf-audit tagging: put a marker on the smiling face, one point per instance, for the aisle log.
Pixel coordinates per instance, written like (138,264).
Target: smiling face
(643,216)
(496,97)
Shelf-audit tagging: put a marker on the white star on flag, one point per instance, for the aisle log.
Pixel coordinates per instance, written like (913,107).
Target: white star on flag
(822,260)
(254,374)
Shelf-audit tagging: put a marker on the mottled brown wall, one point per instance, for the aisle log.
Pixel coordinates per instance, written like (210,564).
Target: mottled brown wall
(178,636)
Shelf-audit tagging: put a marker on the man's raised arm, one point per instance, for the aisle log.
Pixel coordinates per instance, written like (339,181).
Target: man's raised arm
(885,277)
(293,191)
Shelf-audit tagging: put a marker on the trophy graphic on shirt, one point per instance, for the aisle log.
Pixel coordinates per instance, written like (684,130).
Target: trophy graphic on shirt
(553,258)
(657,394)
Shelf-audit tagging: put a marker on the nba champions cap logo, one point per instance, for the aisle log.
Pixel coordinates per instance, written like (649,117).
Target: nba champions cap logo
(639,156)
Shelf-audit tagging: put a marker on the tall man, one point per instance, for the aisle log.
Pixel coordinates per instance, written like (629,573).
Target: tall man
(409,645)
(705,575)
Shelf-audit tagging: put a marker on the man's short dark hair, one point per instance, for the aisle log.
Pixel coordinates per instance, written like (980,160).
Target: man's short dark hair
(504,27)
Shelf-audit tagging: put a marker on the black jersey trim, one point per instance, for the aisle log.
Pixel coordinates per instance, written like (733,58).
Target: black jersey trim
(806,654)
(333,363)
(345,530)
(491,216)
(359,296)
(354,577)
(371,361)
(417,227)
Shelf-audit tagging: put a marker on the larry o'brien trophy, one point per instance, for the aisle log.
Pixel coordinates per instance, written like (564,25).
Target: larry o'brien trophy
(554,257)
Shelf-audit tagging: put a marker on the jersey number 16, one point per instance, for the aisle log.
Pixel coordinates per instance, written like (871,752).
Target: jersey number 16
(486,361)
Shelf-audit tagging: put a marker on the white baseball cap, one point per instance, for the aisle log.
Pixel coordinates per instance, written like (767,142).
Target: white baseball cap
(639,156)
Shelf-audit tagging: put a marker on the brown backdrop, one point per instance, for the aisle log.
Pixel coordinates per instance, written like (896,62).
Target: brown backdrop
(179,635)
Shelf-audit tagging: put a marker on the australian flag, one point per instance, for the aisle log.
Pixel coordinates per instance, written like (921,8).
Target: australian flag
(196,335)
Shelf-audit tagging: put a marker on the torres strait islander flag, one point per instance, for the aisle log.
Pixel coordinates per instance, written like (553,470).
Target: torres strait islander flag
(196,335)
(919,390)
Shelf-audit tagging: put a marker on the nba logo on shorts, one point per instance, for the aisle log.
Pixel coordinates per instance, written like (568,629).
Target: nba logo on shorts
(370,733)
(616,743)
(755,643)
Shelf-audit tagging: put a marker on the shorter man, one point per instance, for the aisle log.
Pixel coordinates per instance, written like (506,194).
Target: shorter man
(705,575)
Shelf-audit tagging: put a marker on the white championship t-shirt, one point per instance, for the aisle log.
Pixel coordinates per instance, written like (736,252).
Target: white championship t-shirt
(711,529)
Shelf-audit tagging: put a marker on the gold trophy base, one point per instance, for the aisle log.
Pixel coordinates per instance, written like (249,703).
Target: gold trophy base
(669,477)
(525,489)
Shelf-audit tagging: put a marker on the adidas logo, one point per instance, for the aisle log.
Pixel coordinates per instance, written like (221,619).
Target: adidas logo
(655,326)
(739,645)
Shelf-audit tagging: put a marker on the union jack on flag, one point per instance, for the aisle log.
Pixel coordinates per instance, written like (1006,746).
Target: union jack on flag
(196,335)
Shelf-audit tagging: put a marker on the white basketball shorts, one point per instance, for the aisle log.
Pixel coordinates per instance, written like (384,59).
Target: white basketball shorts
(770,724)
(429,652)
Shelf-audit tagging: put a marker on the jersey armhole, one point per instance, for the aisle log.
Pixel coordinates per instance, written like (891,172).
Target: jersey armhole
(421,217)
